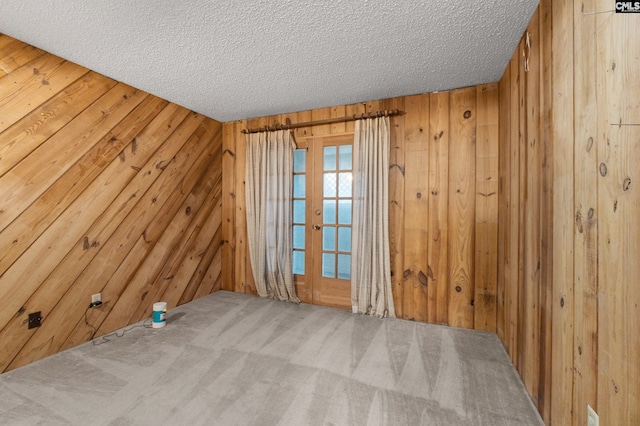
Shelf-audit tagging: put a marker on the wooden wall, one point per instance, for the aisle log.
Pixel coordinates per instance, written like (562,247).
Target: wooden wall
(569,236)
(103,188)
(443,202)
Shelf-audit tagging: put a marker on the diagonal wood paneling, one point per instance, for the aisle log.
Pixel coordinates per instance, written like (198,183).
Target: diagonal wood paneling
(103,188)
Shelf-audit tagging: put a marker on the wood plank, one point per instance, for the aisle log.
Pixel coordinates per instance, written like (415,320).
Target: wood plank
(16,54)
(228,204)
(522,212)
(303,132)
(531,196)
(212,280)
(34,84)
(53,158)
(202,275)
(618,91)
(563,207)
(438,259)
(22,138)
(585,356)
(243,272)
(338,111)
(353,109)
(546,211)
(416,207)
(396,198)
(462,206)
(40,215)
(514,208)
(486,226)
(504,171)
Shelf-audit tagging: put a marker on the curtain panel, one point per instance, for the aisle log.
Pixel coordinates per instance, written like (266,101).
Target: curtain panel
(269,187)
(371,259)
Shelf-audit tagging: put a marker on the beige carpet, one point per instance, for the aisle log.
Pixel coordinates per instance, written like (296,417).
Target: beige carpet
(232,359)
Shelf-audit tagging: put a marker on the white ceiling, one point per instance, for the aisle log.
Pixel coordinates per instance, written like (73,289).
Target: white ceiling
(238,59)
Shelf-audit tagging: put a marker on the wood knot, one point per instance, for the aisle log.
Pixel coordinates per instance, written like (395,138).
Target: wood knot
(473,302)
(626,184)
(562,302)
(188,210)
(458,289)
(579,350)
(467,114)
(406,273)
(591,213)
(419,195)
(603,169)
(423,279)
(589,144)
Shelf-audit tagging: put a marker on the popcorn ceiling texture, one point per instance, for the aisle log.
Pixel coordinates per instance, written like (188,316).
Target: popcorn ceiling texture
(232,60)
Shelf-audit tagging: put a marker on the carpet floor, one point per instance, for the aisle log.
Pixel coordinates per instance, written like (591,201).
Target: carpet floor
(233,359)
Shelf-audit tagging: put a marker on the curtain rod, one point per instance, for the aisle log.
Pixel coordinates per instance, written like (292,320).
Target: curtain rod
(354,117)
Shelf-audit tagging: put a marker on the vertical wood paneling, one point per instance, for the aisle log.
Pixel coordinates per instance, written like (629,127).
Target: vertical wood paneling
(618,150)
(486,227)
(437,251)
(533,184)
(242,263)
(462,179)
(578,316)
(563,207)
(513,146)
(86,167)
(504,211)
(546,210)
(396,200)
(424,149)
(585,355)
(416,208)
(228,203)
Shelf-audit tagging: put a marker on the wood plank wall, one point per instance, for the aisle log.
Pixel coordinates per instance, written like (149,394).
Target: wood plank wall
(569,236)
(103,188)
(443,202)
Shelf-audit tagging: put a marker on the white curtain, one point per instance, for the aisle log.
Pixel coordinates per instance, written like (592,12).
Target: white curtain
(371,264)
(269,186)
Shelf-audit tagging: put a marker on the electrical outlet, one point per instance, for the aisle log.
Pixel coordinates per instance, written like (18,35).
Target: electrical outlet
(592,417)
(96,298)
(35,319)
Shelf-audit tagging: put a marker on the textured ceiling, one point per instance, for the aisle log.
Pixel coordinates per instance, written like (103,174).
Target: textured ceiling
(237,59)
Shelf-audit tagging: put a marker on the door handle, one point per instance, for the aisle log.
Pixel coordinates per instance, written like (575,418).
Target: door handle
(317,227)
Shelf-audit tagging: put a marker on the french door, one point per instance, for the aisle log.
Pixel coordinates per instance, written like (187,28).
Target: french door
(322,210)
